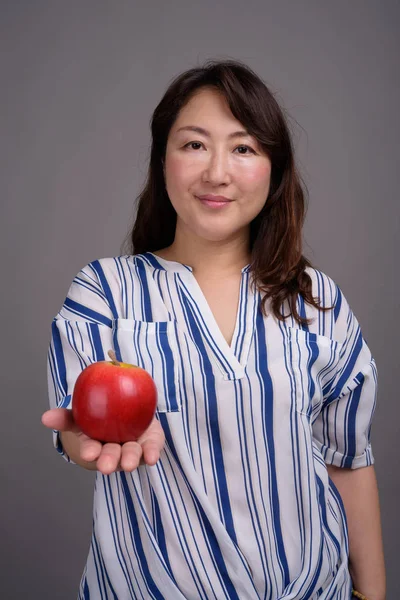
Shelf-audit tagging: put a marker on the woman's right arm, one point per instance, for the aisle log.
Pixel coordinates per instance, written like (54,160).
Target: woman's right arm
(82,334)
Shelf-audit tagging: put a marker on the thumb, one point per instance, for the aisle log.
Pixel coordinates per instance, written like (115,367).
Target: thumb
(60,419)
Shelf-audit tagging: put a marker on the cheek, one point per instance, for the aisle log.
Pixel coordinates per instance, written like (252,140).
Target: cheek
(177,171)
(256,176)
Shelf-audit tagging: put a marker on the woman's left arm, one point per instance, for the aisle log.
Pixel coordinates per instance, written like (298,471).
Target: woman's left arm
(359,491)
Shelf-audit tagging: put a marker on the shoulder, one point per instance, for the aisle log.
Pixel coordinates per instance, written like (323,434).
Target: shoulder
(101,276)
(324,287)
(332,322)
(112,268)
(101,287)
(112,275)
(108,265)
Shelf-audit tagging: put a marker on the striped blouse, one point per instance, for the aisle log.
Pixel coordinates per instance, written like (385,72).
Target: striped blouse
(239,505)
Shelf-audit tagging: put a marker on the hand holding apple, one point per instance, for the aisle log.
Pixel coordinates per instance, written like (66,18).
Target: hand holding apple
(113,401)
(109,457)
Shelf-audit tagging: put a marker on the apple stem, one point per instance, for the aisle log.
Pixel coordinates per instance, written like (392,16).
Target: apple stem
(113,357)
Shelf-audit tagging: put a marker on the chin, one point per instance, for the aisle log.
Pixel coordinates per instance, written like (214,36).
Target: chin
(215,235)
(212,231)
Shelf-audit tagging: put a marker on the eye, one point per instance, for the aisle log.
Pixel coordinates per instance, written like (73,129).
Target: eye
(192,144)
(242,146)
(246,148)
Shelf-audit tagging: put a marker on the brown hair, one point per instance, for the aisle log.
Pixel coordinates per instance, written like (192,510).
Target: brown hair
(277,263)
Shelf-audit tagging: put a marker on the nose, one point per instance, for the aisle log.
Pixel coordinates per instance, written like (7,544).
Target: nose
(217,170)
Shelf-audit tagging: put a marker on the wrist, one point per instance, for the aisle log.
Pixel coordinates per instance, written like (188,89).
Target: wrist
(360,596)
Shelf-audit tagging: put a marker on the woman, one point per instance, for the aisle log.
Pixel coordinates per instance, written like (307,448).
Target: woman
(266,388)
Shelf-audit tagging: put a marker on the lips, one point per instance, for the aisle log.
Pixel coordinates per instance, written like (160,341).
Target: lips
(214,202)
(211,198)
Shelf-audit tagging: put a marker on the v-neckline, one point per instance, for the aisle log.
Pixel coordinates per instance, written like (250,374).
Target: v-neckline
(230,358)
(211,317)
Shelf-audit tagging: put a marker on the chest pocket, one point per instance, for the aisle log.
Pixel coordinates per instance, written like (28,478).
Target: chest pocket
(153,346)
(313,360)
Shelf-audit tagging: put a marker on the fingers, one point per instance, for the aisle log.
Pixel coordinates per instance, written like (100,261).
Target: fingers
(90,450)
(151,451)
(114,457)
(109,458)
(131,455)
(60,419)
(152,442)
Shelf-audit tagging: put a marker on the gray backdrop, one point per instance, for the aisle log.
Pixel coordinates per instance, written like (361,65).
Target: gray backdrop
(79,81)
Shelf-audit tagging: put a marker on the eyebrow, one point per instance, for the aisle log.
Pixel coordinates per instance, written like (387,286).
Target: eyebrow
(202,131)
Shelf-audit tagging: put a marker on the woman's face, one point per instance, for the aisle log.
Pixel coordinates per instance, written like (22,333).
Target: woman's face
(212,161)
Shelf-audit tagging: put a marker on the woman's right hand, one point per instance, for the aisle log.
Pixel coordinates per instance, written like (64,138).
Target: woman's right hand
(109,457)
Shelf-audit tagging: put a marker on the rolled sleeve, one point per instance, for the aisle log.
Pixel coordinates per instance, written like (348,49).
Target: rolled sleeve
(342,431)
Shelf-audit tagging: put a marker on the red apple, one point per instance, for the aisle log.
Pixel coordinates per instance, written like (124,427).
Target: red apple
(113,401)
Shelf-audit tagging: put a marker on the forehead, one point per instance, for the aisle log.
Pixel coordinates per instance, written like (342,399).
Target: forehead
(206,106)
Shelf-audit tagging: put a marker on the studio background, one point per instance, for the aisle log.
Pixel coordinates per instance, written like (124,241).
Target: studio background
(79,82)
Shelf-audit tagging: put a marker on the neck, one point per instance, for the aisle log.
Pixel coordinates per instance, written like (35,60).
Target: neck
(216,259)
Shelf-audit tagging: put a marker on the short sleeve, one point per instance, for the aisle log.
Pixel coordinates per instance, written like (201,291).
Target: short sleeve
(81,333)
(343,428)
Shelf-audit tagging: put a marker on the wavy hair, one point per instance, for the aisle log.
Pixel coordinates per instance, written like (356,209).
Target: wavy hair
(277,265)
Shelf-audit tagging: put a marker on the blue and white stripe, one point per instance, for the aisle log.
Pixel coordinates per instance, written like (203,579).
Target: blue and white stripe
(240,505)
